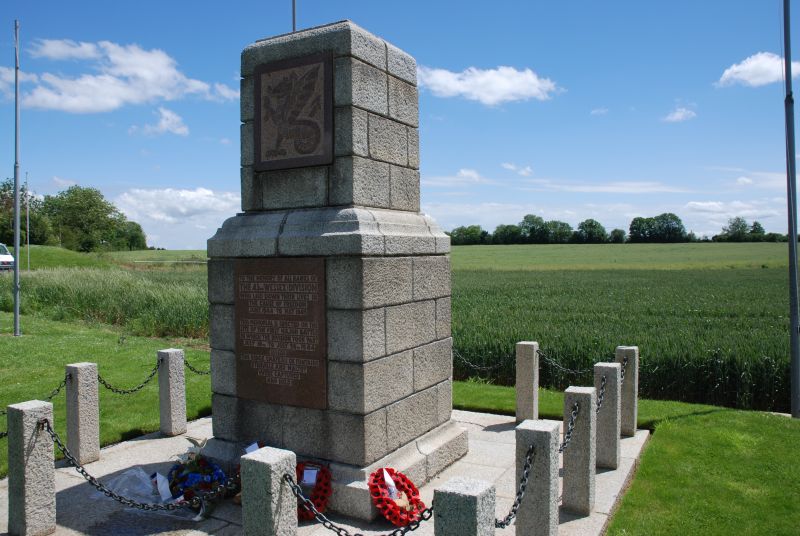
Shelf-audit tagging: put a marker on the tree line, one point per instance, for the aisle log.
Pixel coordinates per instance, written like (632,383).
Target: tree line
(664,228)
(78,218)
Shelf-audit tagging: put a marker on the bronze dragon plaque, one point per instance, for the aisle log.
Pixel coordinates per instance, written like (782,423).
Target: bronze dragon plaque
(294,113)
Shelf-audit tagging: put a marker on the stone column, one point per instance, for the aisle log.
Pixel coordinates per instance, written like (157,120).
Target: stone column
(527,385)
(538,511)
(172,392)
(31,473)
(579,455)
(83,412)
(268,506)
(464,507)
(608,418)
(630,387)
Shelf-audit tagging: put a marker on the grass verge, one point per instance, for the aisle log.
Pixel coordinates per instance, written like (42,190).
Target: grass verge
(706,469)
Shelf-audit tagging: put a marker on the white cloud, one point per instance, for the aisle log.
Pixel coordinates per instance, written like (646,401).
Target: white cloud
(526,171)
(464,177)
(7,80)
(718,212)
(60,182)
(487,86)
(757,70)
(613,187)
(172,205)
(679,114)
(118,75)
(744,180)
(599,111)
(225,141)
(168,121)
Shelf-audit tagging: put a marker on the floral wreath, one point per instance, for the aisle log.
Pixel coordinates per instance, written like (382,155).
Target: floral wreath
(321,492)
(197,474)
(405,507)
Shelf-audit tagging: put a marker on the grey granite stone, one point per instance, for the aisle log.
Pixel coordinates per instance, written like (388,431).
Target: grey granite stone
(350,131)
(246,99)
(433,363)
(364,387)
(388,140)
(406,233)
(343,38)
(222,330)
(83,412)
(431,277)
(444,395)
(410,325)
(31,476)
(252,190)
(608,418)
(538,512)
(442,447)
(360,181)
(223,372)
(401,64)
(630,388)
(413,147)
(220,281)
(404,189)
(268,506)
(443,327)
(247,147)
(294,188)
(411,417)
(403,102)
(331,231)
(171,392)
(464,507)
(357,84)
(368,282)
(356,335)
(247,235)
(527,384)
(225,410)
(579,456)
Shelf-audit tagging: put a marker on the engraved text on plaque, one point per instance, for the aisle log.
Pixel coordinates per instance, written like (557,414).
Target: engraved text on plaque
(280,331)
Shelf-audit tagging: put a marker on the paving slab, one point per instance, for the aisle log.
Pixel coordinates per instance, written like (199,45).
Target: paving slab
(80,510)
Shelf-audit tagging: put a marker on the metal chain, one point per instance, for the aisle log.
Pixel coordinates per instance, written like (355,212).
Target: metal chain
(479,368)
(132,390)
(624,364)
(308,505)
(602,393)
(229,486)
(48,398)
(196,371)
(570,428)
(523,483)
(558,366)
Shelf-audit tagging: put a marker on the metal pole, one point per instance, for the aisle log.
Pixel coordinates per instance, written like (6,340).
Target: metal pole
(791,199)
(294,15)
(28,221)
(16,179)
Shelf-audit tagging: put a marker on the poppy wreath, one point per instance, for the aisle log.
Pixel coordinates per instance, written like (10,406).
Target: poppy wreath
(197,476)
(319,494)
(398,516)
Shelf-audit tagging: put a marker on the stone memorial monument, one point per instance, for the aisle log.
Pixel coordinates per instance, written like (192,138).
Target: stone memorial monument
(330,293)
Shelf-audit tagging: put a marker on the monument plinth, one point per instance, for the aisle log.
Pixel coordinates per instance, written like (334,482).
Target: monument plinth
(330,294)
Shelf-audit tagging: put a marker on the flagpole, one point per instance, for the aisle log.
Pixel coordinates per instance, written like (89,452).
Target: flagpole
(16,179)
(791,201)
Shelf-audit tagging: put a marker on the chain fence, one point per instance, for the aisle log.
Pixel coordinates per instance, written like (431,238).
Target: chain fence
(601,394)
(132,390)
(196,370)
(54,393)
(570,428)
(523,484)
(199,501)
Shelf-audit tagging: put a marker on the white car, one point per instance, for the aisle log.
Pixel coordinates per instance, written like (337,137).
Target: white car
(6,259)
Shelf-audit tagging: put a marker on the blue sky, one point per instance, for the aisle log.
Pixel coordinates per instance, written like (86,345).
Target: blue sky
(568,110)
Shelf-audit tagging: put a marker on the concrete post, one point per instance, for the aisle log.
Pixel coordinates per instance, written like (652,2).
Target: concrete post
(608,418)
(630,388)
(83,412)
(171,392)
(538,512)
(31,473)
(464,507)
(527,381)
(579,456)
(268,506)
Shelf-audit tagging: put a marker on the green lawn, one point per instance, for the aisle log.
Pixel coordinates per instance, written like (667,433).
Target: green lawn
(55,257)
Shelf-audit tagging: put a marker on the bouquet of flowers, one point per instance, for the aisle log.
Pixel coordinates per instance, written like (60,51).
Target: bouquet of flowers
(194,476)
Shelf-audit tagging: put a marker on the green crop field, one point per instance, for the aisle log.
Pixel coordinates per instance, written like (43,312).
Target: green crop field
(711,320)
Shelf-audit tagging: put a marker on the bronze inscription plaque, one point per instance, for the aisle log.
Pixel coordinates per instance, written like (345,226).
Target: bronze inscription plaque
(281,349)
(294,113)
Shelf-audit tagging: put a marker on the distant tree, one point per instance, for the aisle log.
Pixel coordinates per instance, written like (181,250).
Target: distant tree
(617,236)
(129,235)
(641,229)
(736,230)
(590,232)
(40,226)
(775,237)
(668,227)
(757,232)
(558,232)
(534,229)
(507,234)
(467,236)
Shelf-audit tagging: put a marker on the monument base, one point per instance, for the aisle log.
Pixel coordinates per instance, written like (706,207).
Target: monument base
(421,460)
